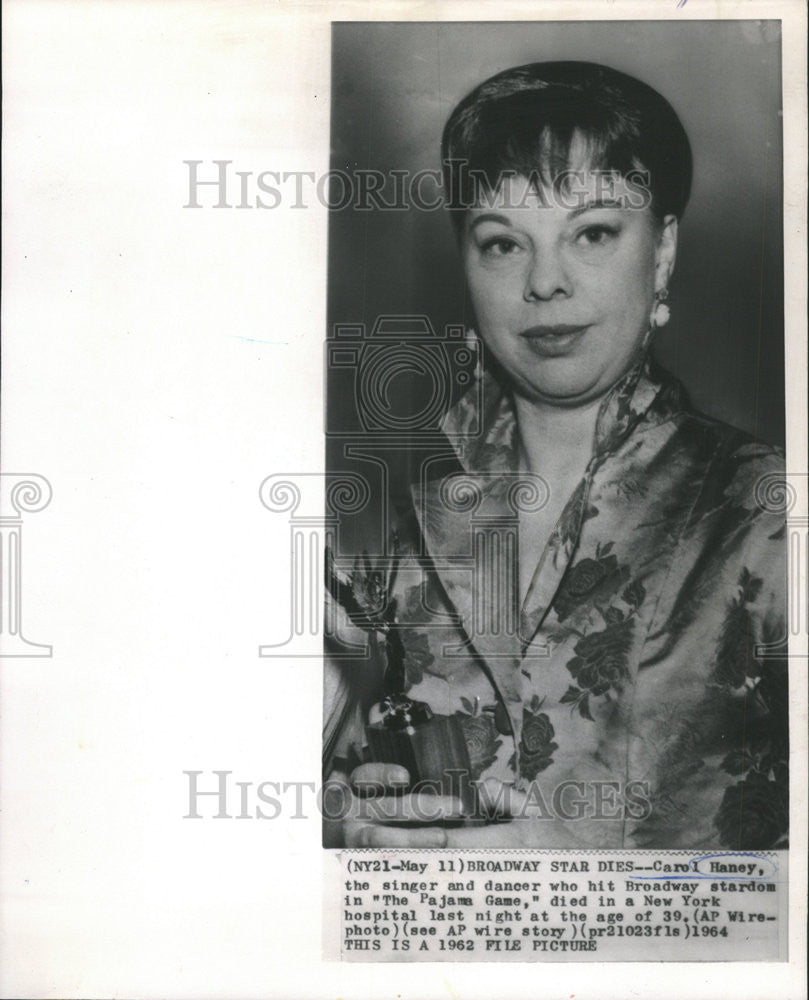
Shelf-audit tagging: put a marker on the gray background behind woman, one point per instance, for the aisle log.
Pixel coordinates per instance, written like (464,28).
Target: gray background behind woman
(394,85)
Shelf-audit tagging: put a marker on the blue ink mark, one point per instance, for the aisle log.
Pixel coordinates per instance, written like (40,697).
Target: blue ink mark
(767,869)
(767,865)
(253,340)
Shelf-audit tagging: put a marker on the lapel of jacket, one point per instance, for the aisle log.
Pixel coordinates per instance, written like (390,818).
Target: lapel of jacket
(469,529)
(635,397)
(469,524)
(553,563)
(470,538)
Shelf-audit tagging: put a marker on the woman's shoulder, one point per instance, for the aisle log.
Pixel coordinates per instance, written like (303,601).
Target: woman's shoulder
(743,478)
(732,448)
(738,478)
(736,454)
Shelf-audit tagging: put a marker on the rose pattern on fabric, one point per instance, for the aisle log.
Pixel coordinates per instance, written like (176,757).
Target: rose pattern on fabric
(573,517)
(754,813)
(600,665)
(537,744)
(590,582)
(664,579)
(417,655)
(734,657)
(369,584)
(601,660)
(481,736)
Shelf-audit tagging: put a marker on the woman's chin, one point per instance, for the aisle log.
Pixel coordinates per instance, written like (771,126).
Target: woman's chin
(562,392)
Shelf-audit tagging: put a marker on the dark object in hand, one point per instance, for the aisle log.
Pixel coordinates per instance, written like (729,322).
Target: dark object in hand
(431,747)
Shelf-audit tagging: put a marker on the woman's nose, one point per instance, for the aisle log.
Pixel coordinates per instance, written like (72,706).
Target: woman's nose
(546,278)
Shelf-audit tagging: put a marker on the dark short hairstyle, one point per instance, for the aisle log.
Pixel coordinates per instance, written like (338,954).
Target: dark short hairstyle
(524,121)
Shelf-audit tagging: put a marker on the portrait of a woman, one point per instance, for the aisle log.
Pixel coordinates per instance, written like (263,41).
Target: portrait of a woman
(614,686)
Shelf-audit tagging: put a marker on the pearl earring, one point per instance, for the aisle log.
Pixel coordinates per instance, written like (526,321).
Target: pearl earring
(660,311)
(474,345)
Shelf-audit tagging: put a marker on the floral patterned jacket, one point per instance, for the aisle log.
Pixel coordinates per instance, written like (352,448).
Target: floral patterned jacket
(640,691)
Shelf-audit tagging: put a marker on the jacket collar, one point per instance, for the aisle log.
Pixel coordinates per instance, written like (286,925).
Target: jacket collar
(644,391)
(469,519)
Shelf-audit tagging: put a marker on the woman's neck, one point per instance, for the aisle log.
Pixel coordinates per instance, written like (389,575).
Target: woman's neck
(556,442)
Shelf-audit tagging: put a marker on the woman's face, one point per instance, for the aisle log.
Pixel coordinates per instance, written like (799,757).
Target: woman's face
(563,287)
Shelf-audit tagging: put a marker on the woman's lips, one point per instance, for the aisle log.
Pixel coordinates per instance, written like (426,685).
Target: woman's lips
(553,341)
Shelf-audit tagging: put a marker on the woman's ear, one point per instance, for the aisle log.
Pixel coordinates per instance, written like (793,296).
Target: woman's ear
(665,253)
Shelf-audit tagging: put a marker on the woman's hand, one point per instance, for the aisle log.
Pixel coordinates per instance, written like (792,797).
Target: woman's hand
(376,816)
(511,820)
(377,812)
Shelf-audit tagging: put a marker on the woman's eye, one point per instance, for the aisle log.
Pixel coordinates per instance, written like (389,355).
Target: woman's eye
(596,236)
(499,246)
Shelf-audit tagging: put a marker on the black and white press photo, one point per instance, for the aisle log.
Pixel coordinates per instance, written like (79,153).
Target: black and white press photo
(554,376)
(403,500)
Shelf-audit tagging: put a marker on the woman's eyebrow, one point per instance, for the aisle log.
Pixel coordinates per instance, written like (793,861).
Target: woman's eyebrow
(490,217)
(596,203)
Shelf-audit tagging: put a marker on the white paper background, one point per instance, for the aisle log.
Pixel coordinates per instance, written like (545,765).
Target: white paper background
(136,381)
